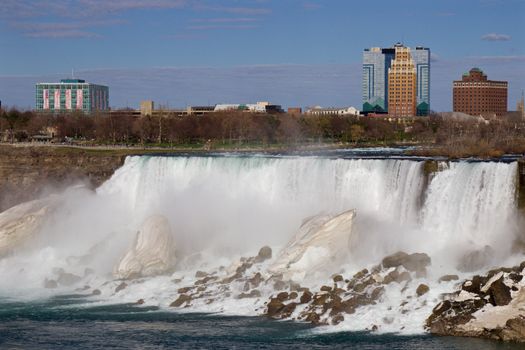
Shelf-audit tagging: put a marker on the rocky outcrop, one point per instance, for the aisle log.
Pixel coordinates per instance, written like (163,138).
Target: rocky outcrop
(152,253)
(26,172)
(333,303)
(490,306)
(323,239)
(23,221)
(416,262)
(246,275)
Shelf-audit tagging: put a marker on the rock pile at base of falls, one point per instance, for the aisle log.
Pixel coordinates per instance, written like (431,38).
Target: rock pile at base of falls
(242,280)
(331,304)
(19,223)
(490,306)
(152,253)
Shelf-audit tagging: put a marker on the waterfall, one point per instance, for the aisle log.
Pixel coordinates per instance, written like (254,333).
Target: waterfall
(465,203)
(224,207)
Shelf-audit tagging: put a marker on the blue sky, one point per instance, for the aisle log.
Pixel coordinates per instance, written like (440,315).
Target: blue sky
(292,52)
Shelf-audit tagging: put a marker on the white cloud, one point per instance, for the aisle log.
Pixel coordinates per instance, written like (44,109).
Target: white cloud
(495,37)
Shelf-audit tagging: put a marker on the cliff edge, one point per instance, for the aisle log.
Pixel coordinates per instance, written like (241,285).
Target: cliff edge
(27,172)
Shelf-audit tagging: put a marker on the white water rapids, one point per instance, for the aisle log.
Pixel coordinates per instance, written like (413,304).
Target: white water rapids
(222,208)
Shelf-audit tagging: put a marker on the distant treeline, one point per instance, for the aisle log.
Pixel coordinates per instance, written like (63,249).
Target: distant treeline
(241,129)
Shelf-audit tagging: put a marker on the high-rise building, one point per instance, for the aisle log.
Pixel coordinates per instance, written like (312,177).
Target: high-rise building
(402,81)
(376,63)
(474,94)
(71,94)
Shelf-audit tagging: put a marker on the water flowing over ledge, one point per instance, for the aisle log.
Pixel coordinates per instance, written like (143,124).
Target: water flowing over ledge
(220,209)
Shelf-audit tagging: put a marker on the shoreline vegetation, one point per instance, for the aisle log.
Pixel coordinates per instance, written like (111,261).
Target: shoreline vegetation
(127,134)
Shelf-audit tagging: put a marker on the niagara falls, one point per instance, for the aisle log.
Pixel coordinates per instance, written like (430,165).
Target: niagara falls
(324,244)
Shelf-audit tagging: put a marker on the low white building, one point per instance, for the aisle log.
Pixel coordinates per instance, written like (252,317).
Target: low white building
(333,111)
(259,107)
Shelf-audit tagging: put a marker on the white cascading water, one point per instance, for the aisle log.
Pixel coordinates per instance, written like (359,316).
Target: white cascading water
(221,208)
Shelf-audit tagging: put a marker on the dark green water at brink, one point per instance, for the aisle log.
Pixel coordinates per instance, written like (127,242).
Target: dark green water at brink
(67,323)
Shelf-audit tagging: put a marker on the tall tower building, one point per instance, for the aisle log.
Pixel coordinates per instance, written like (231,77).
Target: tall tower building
(376,63)
(402,84)
(421,57)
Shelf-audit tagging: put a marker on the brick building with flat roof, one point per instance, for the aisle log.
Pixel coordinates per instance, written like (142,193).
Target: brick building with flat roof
(474,94)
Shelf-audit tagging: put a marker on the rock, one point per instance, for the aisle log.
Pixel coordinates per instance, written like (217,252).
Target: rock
(121,286)
(422,289)
(283,296)
(391,277)
(288,309)
(265,253)
(312,317)
(395,276)
(152,253)
(361,274)
(337,319)
(68,279)
(293,295)
(324,239)
(326,289)
(338,278)
(306,297)
(515,277)
(22,222)
(50,284)
(476,260)
(182,299)
(484,307)
(184,290)
(139,302)
(499,293)
(274,307)
(448,278)
(514,330)
(205,280)
(413,262)
(96,292)
(474,285)
(200,274)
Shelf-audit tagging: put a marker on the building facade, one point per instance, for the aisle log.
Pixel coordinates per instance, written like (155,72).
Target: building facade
(345,111)
(475,95)
(376,64)
(70,95)
(402,84)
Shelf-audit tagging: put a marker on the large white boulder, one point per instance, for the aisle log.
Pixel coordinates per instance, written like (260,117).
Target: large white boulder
(321,242)
(152,253)
(21,222)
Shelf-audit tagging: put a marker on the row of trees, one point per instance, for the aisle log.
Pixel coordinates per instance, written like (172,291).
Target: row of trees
(241,128)
(223,127)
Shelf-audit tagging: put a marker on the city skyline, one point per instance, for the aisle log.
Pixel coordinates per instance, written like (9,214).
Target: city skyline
(294,53)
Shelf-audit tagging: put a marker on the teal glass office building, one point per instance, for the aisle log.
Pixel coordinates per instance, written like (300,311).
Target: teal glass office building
(376,62)
(71,95)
